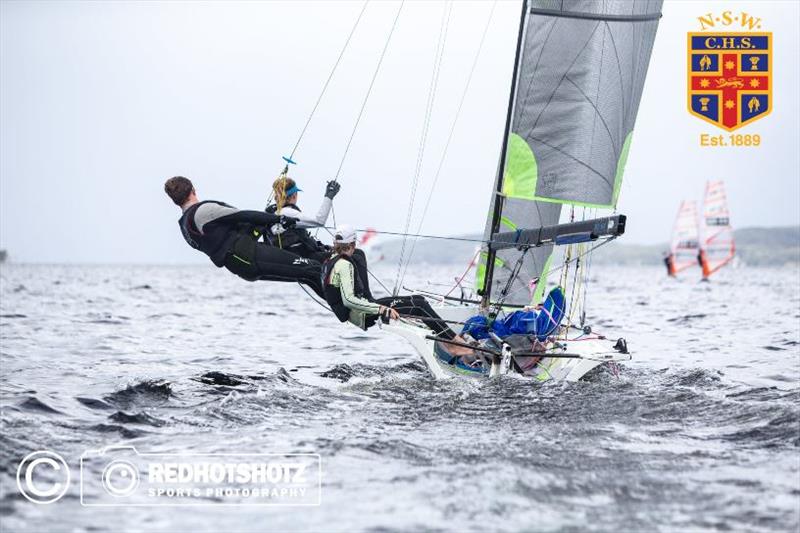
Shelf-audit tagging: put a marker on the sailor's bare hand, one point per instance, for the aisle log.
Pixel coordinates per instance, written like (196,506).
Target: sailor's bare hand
(389,312)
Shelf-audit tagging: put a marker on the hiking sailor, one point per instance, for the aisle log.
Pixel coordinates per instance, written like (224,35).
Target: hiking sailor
(297,239)
(229,237)
(344,293)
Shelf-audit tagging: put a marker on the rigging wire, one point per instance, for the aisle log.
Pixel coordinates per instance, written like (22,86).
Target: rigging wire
(437,63)
(289,160)
(565,263)
(450,136)
(327,81)
(369,91)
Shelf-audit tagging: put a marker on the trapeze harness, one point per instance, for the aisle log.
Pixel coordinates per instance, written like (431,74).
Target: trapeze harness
(296,240)
(333,294)
(410,306)
(229,237)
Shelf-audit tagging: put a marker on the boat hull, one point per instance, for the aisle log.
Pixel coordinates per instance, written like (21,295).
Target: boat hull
(590,352)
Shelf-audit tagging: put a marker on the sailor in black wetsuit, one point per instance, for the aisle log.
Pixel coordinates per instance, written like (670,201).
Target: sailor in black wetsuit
(297,239)
(669,262)
(229,237)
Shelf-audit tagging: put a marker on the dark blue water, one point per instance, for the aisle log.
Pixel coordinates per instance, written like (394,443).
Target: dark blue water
(700,431)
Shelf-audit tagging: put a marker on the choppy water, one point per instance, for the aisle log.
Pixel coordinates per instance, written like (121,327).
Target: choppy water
(700,431)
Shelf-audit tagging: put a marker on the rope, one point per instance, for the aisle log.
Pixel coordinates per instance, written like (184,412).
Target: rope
(437,63)
(514,273)
(563,265)
(369,91)
(464,275)
(327,81)
(450,136)
(313,297)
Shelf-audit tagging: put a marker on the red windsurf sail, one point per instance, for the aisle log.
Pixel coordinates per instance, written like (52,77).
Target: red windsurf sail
(685,238)
(716,245)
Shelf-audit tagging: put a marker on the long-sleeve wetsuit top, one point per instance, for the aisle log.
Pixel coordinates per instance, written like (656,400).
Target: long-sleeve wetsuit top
(305,220)
(343,277)
(213,227)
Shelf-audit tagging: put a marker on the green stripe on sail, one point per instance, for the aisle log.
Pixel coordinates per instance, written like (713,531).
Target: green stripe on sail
(623,159)
(507,222)
(521,170)
(538,294)
(480,270)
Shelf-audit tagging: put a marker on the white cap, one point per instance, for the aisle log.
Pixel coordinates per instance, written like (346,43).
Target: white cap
(344,235)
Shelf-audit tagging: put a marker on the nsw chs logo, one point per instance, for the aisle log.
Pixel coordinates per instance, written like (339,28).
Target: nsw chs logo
(730,73)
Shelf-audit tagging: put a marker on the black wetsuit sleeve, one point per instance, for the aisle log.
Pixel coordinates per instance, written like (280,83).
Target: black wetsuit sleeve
(256,218)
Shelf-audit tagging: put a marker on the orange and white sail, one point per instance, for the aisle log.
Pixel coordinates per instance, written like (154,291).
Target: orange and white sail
(717,247)
(685,243)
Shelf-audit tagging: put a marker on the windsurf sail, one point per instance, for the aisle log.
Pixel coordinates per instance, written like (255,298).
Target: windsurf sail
(685,243)
(717,247)
(578,78)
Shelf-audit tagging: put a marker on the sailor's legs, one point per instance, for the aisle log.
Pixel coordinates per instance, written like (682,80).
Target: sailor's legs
(417,306)
(274,264)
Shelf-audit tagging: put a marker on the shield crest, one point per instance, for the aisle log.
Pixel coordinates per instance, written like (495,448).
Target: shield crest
(730,77)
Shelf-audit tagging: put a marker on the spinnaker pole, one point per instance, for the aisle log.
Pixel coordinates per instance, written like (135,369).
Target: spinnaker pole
(486,291)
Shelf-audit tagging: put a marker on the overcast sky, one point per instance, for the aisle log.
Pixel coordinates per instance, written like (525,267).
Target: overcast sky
(101,101)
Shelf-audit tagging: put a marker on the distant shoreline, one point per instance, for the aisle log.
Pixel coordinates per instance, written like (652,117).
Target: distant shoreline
(755,247)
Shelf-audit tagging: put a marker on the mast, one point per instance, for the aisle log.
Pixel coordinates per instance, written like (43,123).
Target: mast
(498,199)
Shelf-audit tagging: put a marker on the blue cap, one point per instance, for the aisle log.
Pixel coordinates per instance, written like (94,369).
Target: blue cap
(293,190)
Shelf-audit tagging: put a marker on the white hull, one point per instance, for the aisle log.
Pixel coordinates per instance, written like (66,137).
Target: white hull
(592,352)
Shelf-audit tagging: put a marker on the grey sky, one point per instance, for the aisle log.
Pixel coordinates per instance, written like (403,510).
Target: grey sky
(101,101)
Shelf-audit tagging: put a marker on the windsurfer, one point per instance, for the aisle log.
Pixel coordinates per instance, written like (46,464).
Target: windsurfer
(669,263)
(345,294)
(229,237)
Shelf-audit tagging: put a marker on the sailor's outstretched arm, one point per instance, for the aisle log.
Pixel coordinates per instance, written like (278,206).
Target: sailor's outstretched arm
(257,218)
(306,221)
(324,211)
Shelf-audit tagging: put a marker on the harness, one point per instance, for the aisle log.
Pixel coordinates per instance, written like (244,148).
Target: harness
(292,237)
(188,227)
(236,251)
(333,294)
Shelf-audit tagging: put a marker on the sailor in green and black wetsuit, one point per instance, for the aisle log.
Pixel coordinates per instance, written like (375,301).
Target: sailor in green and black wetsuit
(344,292)
(229,237)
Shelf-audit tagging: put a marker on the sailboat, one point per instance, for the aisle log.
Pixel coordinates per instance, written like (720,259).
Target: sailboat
(717,247)
(578,78)
(685,243)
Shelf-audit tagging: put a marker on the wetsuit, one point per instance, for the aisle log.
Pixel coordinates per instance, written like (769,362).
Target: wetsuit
(668,264)
(344,292)
(229,237)
(297,239)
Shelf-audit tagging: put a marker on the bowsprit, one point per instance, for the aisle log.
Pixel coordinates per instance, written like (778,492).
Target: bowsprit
(730,77)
